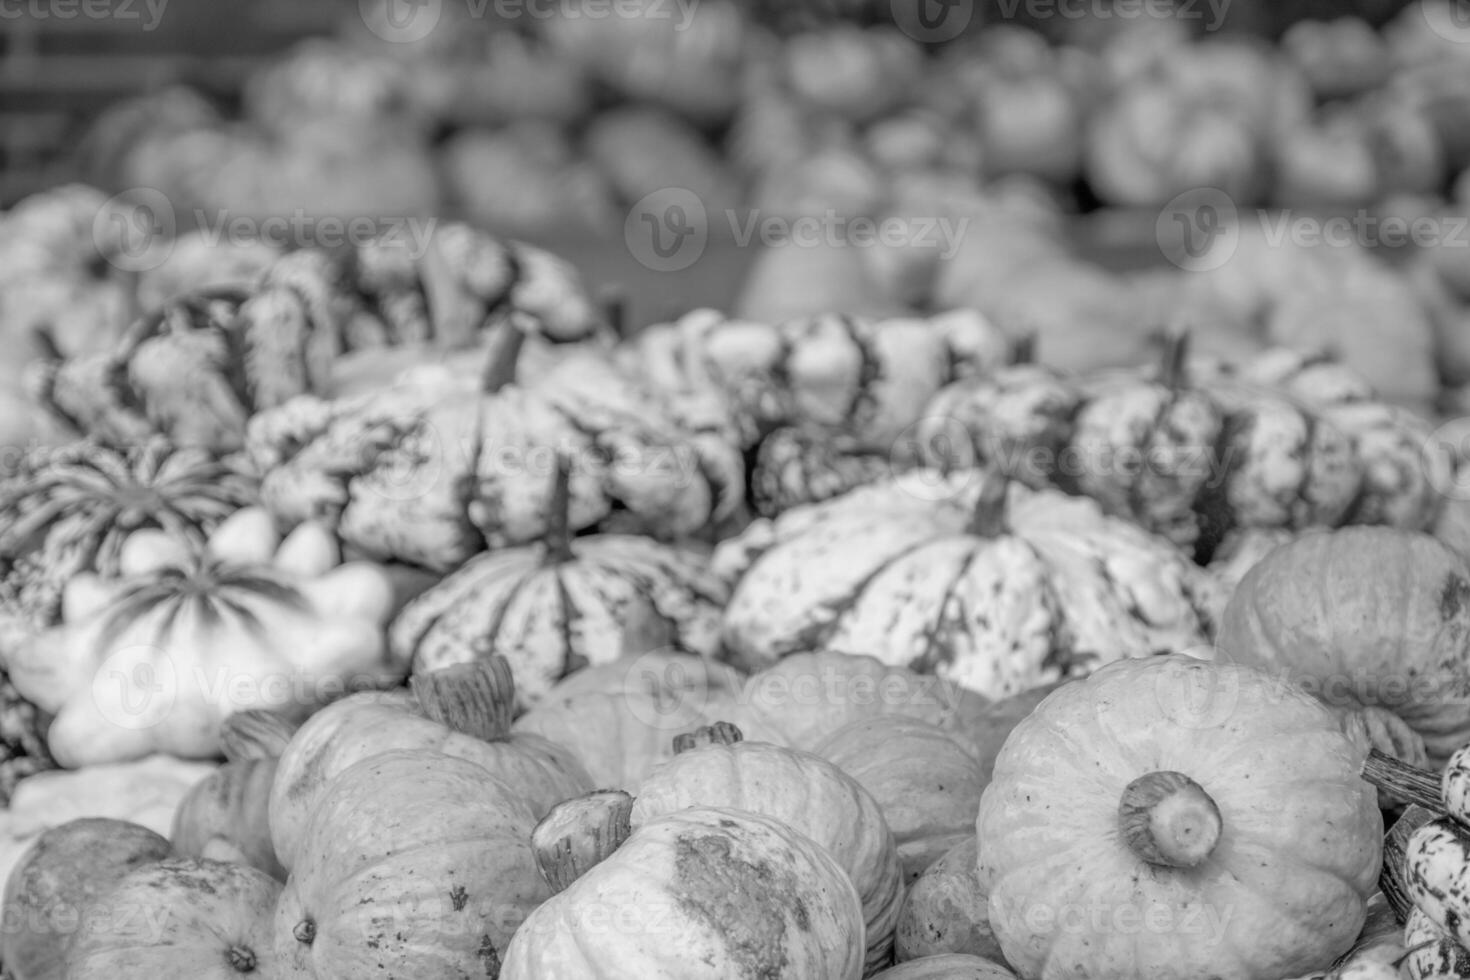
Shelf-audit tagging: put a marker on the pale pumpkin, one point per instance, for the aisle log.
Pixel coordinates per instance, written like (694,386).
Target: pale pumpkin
(930,807)
(945,911)
(1369,619)
(461,711)
(989,585)
(156,657)
(48,891)
(699,894)
(209,920)
(714,767)
(948,966)
(413,862)
(1173,817)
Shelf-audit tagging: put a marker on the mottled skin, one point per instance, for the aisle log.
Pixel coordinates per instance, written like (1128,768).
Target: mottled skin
(1431,953)
(1437,869)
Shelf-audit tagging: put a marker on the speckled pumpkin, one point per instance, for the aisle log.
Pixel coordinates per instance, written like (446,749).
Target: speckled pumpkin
(995,587)
(1430,952)
(802,466)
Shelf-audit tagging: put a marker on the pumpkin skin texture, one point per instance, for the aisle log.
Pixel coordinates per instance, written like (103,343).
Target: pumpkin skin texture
(1365,617)
(461,712)
(413,862)
(1436,858)
(948,966)
(794,467)
(1210,792)
(209,920)
(700,894)
(807,793)
(930,807)
(61,872)
(1431,953)
(946,911)
(942,573)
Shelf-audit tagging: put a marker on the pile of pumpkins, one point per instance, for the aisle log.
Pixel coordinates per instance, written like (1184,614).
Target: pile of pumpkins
(838,646)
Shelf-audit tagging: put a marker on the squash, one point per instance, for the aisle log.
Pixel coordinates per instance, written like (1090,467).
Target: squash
(226,816)
(179,918)
(714,767)
(155,658)
(794,467)
(1436,859)
(1165,817)
(701,893)
(552,608)
(1431,953)
(947,966)
(986,731)
(462,711)
(929,807)
(413,862)
(1405,470)
(1388,642)
(946,911)
(942,573)
(61,873)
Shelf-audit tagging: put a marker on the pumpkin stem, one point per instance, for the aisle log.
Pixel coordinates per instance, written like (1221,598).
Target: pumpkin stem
(505,353)
(645,629)
(615,310)
(720,733)
(241,958)
(1401,781)
(1176,358)
(579,834)
(989,517)
(255,734)
(1024,352)
(1168,819)
(558,515)
(476,698)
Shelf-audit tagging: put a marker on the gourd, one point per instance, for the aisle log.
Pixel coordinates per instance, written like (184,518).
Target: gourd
(714,767)
(1131,812)
(63,870)
(794,467)
(557,606)
(413,862)
(945,911)
(179,918)
(155,658)
(463,711)
(1431,953)
(930,807)
(948,966)
(226,816)
(703,892)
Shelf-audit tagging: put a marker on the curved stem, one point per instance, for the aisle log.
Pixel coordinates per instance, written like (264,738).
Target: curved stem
(1176,358)
(1168,819)
(988,520)
(558,515)
(1025,350)
(1401,781)
(255,734)
(504,356)
(720,733)
(615,310)
(477,698)
(579,834)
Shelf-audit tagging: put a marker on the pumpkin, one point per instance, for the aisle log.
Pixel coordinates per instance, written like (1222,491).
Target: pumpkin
(1435,861)
(430,473)
(1238,553)
(48,891)
(1377,954)
(945,911)
(863,380)
(156,657)
(947,966)
(226,816)
(1339,58)
(435,876)
(990,585)
(930,808)
(1431,953)
(851,71)
(703,892)
(794,467)
(1173,817)
(1389,642)
(714,767)
(985,732)
(1404,468)
(463,711)
(179,918)
(555,607)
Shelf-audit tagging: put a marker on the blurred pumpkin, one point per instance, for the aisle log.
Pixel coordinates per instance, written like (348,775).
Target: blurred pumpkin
(945,911)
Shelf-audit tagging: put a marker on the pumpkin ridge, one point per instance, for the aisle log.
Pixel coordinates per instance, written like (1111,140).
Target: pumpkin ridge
(569,615)
(870,370)
(817,633)
(928,662)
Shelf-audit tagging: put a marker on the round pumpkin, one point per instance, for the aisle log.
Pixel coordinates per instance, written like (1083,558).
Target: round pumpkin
(1367,618)
(945,911)
(412,862)
(1173,817)
(180,918)
(930,807)
(714,767)
(947,966)
(990,585)
(461,712)
(703,892)
(47,892)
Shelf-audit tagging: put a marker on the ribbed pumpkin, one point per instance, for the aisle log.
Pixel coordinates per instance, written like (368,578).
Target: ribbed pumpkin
(988,584)
(946,911)
(714,767)
(463,711)
(1370,619)
(414,863)
(795,466)
(930,807)
(552,608)
(703,893)
(1173,817)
